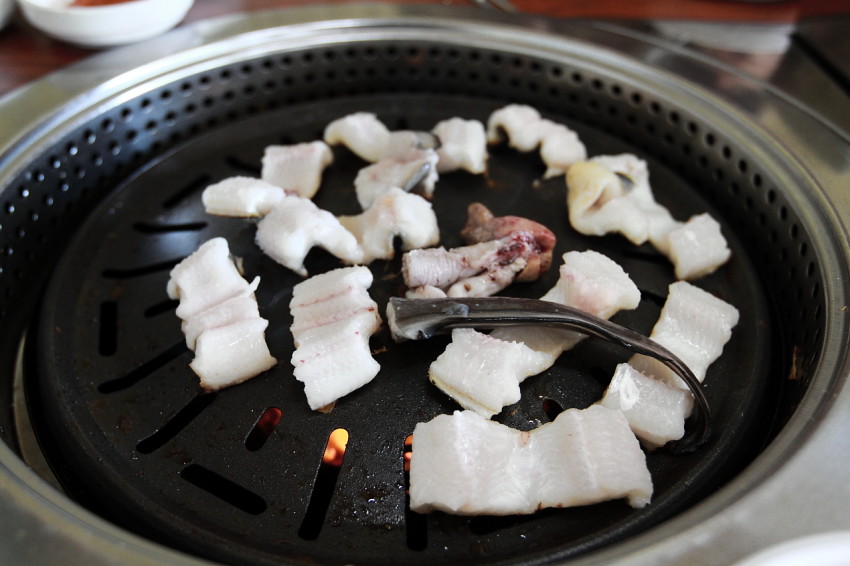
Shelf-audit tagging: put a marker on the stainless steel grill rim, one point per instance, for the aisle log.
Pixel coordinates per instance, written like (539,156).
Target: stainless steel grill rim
(804,170)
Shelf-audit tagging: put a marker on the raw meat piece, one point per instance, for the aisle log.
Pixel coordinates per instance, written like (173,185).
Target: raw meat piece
(361,132)
(655,410)
(296,168)
(205,278)
(220,316)
(479,270)
(241,197)
(333,318)
(589,281)
(228,355)
(483,226)
(560,148)
(521,124)
(611,193)
(487,370)
(696,248)
(394,214)
(693,324)
(295,226)
(467,465)
(463,146)
(408,170)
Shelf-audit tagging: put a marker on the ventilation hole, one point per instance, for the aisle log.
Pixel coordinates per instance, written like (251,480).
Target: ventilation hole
(224,489)
(552,408)
(197,184)
(324,486)
(415,524)
(150,228)
(263,429)
(175,424)
(161,308)
(133,272)
(108,334)
(145,370)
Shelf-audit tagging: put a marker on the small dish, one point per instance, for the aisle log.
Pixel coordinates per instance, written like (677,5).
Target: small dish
(105,25)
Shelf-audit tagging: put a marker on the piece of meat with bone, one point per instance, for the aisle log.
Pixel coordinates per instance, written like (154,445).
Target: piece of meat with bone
(221,319)
(612,193)
(589,281)
(502,250)
(463,146)
(466,465)
(482,226)
(695,326)
(479,270)
(296,168)
(395,214)
(241,197)
(295,226)
(333,317)
(415,169)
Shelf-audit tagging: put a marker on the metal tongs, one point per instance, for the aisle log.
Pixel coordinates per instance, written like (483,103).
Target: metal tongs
(418,319)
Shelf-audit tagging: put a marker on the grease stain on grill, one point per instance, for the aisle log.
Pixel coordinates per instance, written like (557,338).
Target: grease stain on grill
(263,429)
(175,424)
(225,489)
(325,485)
(146,369)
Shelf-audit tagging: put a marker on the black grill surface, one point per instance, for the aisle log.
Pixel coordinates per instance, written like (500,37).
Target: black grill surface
(129,433)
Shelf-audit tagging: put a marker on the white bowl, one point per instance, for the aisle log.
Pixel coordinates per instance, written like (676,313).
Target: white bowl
(107,25)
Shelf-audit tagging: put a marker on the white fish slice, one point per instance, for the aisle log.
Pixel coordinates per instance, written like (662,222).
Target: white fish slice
(696,248)
(560,148)
(241,307)
(463,146)
(295,226)
(297,168)
(521,124)
(465,464)
(589,281)
(416,168)
(205,278)
(395,214)
(361,132)
(221,319)
(241,197)
(611,193)
(694,325)
(333,319)
(228,355)
(655,410)
(484,372)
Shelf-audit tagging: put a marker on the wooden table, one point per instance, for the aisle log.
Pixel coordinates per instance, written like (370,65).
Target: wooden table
(26,54)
